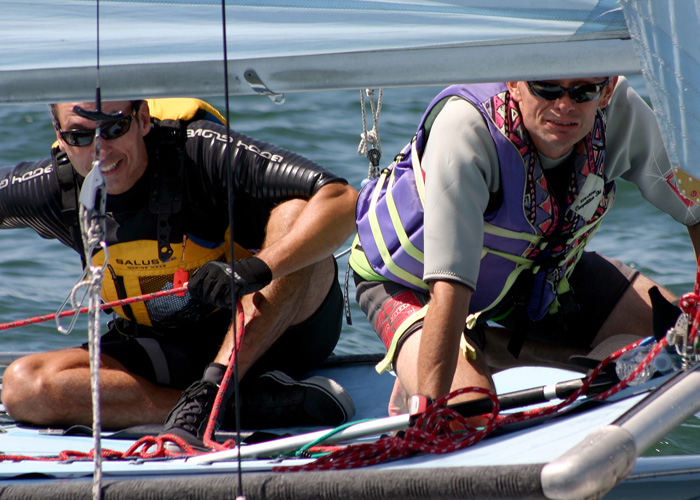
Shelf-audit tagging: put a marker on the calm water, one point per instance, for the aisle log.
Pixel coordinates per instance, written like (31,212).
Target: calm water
(37,274)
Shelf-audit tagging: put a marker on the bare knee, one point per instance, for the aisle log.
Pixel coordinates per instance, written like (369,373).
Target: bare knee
(30,385)
(22,386)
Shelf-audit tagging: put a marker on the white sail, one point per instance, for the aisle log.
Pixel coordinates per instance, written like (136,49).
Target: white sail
(665,35)
(174,47)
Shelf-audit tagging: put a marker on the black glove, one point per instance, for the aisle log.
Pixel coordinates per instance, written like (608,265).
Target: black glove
(212,281)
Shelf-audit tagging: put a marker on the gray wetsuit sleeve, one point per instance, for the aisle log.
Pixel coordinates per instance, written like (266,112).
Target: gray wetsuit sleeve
(461,171)
(635,152)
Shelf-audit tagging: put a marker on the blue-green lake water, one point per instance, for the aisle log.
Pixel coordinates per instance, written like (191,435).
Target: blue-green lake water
(36,275)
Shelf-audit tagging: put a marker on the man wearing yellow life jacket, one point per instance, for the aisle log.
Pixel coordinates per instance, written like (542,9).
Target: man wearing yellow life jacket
(484,217)
(167,215)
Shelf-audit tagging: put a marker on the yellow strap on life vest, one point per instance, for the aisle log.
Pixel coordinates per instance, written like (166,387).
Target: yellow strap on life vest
(406,244)
(360,264)
(510,234)
(379,239)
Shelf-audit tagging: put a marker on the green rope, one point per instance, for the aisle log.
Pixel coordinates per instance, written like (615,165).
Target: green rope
(304,450)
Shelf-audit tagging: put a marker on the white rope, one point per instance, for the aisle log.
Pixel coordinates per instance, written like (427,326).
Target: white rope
(93,198)
(370,144)
(93,226)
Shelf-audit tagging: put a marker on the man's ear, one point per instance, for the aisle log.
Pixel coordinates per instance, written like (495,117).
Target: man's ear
(58,139)
(144,118)
(514,90)
(608,92)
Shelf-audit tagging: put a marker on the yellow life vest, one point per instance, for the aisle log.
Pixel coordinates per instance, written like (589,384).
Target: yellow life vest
(137,267)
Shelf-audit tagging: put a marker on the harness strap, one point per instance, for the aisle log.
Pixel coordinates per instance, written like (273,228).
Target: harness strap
(167,183)
(68,182)
(121,292)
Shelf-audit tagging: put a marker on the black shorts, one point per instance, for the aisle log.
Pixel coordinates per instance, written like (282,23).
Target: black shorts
(177,357)
(597,282)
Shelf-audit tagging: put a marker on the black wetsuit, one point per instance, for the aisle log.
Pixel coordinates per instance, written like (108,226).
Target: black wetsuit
(172,339)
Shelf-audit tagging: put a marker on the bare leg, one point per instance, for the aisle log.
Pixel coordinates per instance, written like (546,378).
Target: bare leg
(286,301)
(632,314)
(533,353)
(53,388)
(469,373)
(397,400)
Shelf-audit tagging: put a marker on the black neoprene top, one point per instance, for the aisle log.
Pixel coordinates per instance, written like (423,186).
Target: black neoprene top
(264,175)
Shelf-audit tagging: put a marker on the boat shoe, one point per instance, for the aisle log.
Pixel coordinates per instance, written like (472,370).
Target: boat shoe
(277,400)
(274,400)
(189,417)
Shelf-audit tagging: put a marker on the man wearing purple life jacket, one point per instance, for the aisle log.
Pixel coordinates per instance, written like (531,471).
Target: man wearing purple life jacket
(484,217)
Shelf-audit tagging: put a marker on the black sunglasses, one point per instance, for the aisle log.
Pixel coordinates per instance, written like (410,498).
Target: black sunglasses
(581,93)
(109,131)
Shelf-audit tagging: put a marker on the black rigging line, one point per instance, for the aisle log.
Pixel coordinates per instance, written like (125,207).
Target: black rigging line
(98,91)
(231,199)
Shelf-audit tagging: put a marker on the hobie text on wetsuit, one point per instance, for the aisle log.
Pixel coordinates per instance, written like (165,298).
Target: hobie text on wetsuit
(31,174)
(212,134)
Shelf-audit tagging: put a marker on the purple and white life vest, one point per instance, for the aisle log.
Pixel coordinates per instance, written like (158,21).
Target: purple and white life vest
(528,231)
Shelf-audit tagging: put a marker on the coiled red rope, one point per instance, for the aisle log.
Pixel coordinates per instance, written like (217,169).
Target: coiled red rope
(434,430)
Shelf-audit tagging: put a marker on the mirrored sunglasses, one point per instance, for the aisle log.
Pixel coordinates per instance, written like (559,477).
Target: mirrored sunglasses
(109,131)
(581,93)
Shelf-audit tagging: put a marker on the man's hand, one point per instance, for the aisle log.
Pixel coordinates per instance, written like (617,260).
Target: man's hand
(212,281)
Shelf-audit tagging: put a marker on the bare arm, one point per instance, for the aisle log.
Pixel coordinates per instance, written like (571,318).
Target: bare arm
(439,344)
(325,223)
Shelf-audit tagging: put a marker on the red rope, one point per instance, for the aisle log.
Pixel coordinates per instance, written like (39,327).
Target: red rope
(211,425)
(141,449)
(433,430)
(438,430)
(153,447)
(431,433)
(82,310)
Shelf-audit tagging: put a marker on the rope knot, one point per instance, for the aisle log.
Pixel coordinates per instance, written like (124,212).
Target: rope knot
(371,137)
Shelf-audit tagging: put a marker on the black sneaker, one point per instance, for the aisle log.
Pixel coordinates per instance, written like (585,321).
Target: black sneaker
(189,417)
(277,400)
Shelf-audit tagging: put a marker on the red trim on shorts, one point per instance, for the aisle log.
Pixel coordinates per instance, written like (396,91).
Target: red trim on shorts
(394,312)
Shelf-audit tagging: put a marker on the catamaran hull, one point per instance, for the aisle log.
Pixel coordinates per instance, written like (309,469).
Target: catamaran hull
(516,463)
